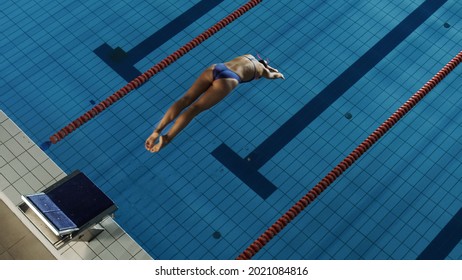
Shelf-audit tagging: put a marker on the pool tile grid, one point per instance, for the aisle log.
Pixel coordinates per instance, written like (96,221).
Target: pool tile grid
(122,149)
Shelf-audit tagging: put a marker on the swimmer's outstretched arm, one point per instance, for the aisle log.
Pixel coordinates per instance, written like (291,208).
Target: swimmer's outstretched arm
(271,69)
(272,73)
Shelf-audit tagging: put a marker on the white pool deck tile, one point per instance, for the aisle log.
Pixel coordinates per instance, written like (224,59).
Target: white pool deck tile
(26,169)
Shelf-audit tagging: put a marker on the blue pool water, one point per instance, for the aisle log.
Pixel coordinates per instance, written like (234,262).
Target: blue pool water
(239,166)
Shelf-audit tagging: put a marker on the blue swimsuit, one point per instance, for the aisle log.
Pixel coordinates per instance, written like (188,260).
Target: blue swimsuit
(222,72)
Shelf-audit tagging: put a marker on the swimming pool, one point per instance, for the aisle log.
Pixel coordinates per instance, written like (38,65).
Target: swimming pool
(185,203)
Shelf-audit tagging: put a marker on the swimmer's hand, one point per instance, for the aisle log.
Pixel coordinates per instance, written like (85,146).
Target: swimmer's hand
(272,73)
(278,76)
(276,72)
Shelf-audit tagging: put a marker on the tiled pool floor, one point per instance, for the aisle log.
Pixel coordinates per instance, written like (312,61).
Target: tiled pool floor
(348,64)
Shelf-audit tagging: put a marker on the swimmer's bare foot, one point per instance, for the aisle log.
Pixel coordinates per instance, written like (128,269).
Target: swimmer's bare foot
(163,141)
(151,140)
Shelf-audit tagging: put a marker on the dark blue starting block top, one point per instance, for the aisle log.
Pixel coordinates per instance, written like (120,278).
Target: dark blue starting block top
(79,198)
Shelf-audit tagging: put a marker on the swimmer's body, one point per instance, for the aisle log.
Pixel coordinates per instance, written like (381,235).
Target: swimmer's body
(214,84)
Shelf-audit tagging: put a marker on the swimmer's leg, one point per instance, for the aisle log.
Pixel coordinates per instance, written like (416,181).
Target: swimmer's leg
(214,94)
(198,87)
